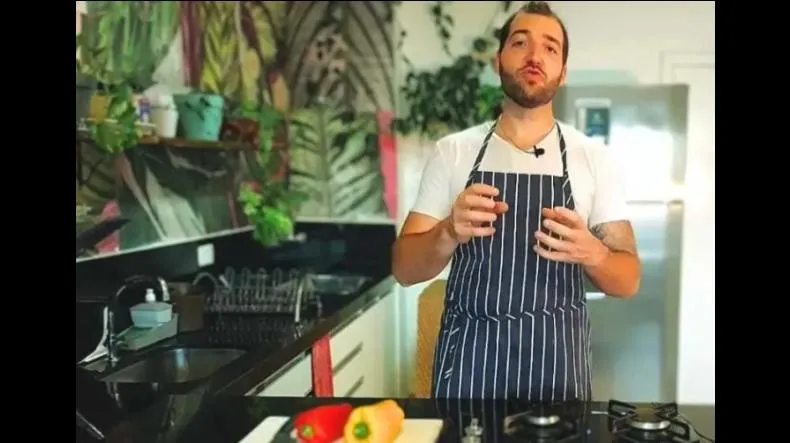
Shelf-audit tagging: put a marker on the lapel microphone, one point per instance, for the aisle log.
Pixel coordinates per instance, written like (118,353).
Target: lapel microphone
(536,151)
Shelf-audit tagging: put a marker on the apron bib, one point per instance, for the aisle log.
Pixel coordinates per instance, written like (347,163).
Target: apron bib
(515,325)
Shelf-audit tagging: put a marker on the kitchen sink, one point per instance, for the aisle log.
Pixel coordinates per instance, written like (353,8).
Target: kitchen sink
(326,284)
(175,365)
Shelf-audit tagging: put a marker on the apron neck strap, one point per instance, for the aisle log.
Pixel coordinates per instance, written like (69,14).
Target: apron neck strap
(487,139)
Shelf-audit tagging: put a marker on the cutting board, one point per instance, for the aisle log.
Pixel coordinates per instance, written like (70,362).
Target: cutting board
(415,430)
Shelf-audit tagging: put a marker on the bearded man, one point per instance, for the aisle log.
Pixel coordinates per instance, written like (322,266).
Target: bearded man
(524,206)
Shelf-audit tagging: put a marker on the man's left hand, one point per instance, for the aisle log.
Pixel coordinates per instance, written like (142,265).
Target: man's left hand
(576,244)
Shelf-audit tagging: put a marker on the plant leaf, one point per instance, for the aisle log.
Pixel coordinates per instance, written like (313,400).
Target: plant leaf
(334,161)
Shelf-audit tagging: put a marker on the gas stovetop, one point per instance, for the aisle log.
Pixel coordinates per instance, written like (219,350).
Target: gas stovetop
(615,422)
(489,421)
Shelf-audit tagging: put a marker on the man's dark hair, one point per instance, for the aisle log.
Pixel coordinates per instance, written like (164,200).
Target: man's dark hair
(537,8)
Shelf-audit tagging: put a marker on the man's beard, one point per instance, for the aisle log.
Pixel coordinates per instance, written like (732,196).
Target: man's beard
(514,91)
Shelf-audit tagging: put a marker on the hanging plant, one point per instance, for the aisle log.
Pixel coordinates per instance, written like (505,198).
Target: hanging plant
(451,98)
(268,202)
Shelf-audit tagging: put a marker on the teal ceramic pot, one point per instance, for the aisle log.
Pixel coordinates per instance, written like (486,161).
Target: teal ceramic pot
(200,115)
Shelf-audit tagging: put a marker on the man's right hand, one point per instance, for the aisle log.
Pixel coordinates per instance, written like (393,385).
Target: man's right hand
(473,212)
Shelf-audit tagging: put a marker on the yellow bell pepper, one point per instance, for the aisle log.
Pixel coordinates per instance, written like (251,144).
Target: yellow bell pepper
(377,423)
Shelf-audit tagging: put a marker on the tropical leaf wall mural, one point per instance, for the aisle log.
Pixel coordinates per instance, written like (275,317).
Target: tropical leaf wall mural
(129,38)
(263,28)
(301,56)
(239,48)
(221,73)
(327,66)
(334,161)
(168,194)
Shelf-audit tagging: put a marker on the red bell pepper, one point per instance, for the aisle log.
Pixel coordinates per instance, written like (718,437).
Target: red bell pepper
(322,424)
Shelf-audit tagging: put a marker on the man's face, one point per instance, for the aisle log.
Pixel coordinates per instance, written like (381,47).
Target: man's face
(530,65)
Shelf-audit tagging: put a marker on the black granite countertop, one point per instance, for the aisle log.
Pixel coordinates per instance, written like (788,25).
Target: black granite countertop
(227,418)
(216,410)
(270,341)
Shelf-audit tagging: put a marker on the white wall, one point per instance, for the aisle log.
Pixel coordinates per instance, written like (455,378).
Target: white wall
(609,42)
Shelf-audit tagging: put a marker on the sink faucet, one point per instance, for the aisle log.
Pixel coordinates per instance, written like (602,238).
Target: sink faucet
(112,306)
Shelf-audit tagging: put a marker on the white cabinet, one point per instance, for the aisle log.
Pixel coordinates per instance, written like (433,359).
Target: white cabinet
(296,380)
(363,353)
(363,359)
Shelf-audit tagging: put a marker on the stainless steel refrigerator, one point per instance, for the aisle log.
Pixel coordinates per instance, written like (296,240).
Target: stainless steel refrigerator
(635,342)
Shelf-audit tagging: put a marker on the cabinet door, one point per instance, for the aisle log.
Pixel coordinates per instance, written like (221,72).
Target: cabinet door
(376,348)
(350,338)
(351,374)
(350,362)
(363,353)
(296,381)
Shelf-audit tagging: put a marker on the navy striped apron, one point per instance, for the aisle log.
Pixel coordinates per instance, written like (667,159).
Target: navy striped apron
(515,325)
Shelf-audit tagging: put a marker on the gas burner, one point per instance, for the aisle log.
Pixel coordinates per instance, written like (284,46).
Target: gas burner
(542,419)
(646,419)
(557,423)
(655,424)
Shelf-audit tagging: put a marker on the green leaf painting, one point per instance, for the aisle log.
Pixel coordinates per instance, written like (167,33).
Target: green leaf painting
(334,162)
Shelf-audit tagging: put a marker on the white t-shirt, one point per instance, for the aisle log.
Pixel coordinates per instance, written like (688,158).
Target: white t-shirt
(597,185)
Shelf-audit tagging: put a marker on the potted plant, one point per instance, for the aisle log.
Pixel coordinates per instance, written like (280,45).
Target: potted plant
(117,130)
(164,116)
(200,115)
(267,200)
(113,127)
(450,99)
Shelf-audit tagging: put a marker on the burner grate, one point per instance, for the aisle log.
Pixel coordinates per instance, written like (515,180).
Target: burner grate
(553,423)
(659,423)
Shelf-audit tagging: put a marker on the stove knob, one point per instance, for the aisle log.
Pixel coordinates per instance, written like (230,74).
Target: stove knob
(473,433)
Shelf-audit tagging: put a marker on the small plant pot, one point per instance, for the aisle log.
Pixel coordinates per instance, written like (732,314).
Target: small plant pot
(99,105)
(166,121)
(200,115)
(241,129)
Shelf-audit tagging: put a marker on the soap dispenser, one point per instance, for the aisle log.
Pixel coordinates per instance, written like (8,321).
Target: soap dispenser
(151,313)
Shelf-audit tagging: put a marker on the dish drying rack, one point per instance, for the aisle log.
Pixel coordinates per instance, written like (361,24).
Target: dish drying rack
(250,331)
(263,291)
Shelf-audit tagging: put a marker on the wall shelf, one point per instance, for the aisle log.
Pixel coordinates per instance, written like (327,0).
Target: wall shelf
(155,142)
(181,143)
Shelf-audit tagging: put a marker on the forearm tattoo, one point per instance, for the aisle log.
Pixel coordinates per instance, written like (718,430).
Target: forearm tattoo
(618,236)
